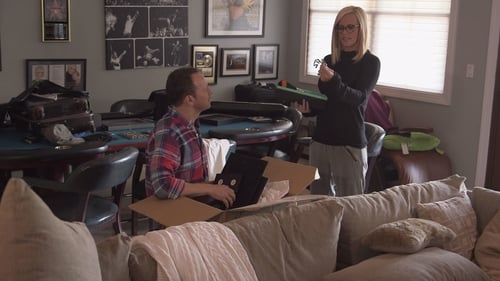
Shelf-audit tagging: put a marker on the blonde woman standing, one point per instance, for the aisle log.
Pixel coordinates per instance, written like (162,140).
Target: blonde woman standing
(347,77)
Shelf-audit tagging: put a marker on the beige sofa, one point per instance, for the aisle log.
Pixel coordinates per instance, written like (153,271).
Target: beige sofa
(364,237)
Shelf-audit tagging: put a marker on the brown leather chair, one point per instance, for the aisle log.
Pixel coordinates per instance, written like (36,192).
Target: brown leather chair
(397,168)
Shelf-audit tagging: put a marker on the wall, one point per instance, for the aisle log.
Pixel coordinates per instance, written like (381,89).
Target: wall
(20,32)
(457,125)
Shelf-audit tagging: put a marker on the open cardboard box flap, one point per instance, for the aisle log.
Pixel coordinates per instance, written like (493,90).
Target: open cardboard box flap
(185,209)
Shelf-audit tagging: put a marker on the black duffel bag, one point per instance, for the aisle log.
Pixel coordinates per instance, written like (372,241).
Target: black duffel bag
(46,103)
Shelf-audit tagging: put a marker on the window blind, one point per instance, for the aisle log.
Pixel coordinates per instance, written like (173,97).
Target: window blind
(409,36)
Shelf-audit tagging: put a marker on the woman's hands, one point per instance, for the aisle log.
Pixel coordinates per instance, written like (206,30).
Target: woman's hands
(302,107)
(325,73)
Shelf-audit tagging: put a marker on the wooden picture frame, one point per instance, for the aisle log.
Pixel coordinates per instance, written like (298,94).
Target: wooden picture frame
(265,62)
(204,57)
(235,62)
(55,20)
(69,73)
(220,18)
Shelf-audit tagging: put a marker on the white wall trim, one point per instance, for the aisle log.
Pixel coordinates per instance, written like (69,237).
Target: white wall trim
(489,88)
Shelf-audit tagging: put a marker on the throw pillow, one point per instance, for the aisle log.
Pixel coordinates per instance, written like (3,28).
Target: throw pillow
(487,251)
(457,214)
(36,245)
(363,213)
(407,236)
(113,257)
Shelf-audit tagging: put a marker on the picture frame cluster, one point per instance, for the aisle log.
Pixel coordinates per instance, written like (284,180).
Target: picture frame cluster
(260,60)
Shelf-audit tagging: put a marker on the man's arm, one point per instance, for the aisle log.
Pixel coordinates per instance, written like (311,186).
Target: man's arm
(219,192)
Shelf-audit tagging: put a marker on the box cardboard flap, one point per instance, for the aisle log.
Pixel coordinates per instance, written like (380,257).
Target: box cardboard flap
(174,212)
(184,209)
(284,200)
(300,176)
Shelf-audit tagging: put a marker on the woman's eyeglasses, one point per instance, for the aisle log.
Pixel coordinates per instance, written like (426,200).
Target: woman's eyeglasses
(348,28)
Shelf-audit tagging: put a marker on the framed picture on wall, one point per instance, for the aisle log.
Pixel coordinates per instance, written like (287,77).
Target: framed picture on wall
(204,57)
(234,18)
(55,20)
(265,61)
(69,73)
(235,62)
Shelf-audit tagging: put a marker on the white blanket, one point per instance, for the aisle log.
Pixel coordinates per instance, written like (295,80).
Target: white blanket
(197,251)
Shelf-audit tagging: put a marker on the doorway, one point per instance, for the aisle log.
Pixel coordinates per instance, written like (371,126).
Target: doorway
(493,165)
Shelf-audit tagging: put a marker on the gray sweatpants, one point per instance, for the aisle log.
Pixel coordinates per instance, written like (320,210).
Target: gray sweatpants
(342,169)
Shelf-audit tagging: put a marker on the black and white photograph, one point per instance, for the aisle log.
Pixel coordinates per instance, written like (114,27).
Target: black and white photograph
(168,22)
(142,34)
(176,51)
(265,64)
(148,53)
(126,22)
(120,54)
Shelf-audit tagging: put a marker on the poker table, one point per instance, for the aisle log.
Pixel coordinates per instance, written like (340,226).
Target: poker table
(258,123)
(42,159)
(17,153)
(248,131)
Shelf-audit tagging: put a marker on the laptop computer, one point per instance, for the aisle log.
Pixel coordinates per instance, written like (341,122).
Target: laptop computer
(242,173)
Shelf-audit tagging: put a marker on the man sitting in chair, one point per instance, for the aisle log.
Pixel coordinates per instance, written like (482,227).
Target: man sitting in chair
(177,162)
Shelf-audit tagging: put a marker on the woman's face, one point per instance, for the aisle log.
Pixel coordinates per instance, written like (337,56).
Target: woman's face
(348,39)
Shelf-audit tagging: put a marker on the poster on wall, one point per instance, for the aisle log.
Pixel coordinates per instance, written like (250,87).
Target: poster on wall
(146,33)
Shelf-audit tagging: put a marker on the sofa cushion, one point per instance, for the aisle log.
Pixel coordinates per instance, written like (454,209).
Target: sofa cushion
(430,264)
(113,257)
(487,250)
(36,245)
(363,213)
(407,236)
(457,214)
(142,265)
(294,243)
(486,203)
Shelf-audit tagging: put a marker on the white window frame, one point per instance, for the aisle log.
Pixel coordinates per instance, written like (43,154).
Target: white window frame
(443,98)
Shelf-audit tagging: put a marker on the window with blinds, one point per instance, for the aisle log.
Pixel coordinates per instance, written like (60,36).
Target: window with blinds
(411,38)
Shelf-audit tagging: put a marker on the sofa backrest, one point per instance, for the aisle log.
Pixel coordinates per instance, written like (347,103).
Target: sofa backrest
(362,213)
(486,203)
(293,243)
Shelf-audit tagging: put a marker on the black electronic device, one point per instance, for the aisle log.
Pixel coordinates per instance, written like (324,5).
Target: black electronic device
(243,174)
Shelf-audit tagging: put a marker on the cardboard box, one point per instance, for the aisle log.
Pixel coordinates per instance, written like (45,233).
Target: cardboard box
(185,209)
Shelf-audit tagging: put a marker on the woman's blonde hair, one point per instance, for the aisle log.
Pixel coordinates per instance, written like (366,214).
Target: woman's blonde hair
(360,15)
